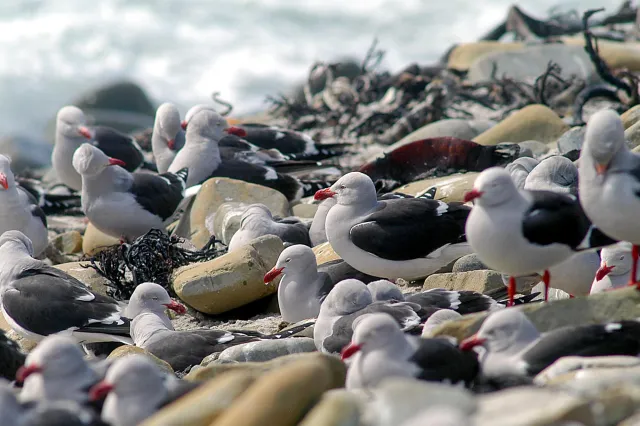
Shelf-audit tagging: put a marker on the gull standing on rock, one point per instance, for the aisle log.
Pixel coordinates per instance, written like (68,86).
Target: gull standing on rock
(39,300)
(163,139)
(406,238)
(20,211)
(122,204)
(525,232)
(614,268)
(610,181)
(257,220)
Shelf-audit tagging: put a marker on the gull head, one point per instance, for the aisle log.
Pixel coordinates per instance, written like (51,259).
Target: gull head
(493,187)
(167,123)
(90,161)
(152,297)
(507,330)
(69,121)
(352,188)
(294,259)
(603,139)
(17,239)
(373,332)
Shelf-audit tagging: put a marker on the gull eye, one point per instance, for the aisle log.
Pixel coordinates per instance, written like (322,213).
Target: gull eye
(343,187)
(288,260)
(622,257)
(155,298)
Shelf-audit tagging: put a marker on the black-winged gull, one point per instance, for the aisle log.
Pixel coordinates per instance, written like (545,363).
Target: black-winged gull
(11,357)
(115,144)
(614,268)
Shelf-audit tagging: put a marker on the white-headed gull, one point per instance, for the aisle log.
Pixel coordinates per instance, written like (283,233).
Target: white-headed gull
(614,268)
(520,168)
(163,139)
(317,232)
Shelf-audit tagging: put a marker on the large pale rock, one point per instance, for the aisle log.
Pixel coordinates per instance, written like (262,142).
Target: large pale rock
(68,242)
(266,350)
(632,135)
(630,116)
(615,54)
(572,364)
(231,280)
(95,241)
(571,140)
(598,308)
(304,210)
(464,55)
(324,253)
(203,405)
(226,220)
(282,396)
(128,350)
(336,408)
(455,127)
(89,276)
(448,188)
(533,122)
(479,280)
(216,191)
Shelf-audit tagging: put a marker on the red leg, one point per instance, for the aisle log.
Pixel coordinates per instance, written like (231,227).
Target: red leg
(546,278)
(633,280)
(511,291)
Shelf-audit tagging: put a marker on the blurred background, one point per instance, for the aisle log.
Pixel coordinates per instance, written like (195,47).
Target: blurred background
(52,51)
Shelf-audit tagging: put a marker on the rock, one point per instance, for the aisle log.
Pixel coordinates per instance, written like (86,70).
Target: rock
(470,262)
(533,122)
(226,220)
(336,408)
(121,105)
(205,404)
(533,149)
(211,370)
(95,241)
(26,153)
(126,350)
(448,188)
(632,135)
(532,406)
(324,253)
(304,210)
(68,242)
(25,344)
(266,350)
(231,280)
(573,364)
(216,191)
(529,63)
(554,293)
(480,281)
(615,54)
(456,127)
(282,397)
(88,276)
(603,307)
(396,400)
(630,116)
(465,54)
(571,140)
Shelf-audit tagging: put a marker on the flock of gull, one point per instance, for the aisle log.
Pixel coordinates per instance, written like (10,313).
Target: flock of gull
(574,226)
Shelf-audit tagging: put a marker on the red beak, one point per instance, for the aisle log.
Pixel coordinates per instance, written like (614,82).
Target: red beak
(349,350)
(171,143)
(25,371)
(323,194)
(471,342)
(83,131)
(601,169)
(472,195)
(603,271)
(116,162)
(176,307)
(184,125)
(100,390)
(3,181)
(237,131)
(272,274)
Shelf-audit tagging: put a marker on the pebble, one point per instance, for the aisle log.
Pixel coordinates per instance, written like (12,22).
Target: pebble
(571,140)
(478,280)
(467,263)
(448,188)
(127,350)
(465,54)
(231,280)
(68,242)
(266,350)
(95,241)
(304,210)
(630,116)
(324,253)
(337,407)
(632,135)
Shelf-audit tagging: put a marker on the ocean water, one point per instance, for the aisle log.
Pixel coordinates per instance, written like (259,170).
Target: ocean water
(183,50)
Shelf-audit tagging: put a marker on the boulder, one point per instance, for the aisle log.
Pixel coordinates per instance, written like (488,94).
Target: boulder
(205,404)
(231,280)
(479,280)
(630,116)
(324,253)
(266,350)
(336,408)
(615,54)
(282,396)
(569,365)
(571,140)
(448,188)
(304,210)
(632,135)
(226,220)
(533,149)
(89,276)
(533,122)
(465,54)
(455,127)
(95,241)
(470,262)
(127,350)
(68,242)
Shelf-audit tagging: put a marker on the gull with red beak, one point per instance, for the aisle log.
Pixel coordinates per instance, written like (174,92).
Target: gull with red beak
(122,204)
(514,347)
(406,238)
(610,182)
(380,350)
(521,232)
(19,210)
(614,268)
(166,132)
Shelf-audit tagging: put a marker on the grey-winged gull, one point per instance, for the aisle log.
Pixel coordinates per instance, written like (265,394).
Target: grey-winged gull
(520,232)
(163,139)
(317,232)
(520,168)
(514,347)
(610,181)
(406,238)
(614,268)
(122,204)
(380,349)
(20,211)
(257,220)
(39,300)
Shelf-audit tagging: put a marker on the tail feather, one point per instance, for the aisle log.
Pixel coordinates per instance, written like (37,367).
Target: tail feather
(595,239)
(310,187)
(61,203)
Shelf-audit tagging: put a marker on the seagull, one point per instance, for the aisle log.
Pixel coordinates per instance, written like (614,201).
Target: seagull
(514,347)
(406,238)
(610,181)
(163,139)
(304,284)
(557,174)
(122,204)
(348,300)
(380,350)
(56,371)
(115,144)
(525,232)
(257,220)
(20,211)
(39,300)
(614,268)
(317,232)
(520,168)
(11,358)
(135,388)
(439,317)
